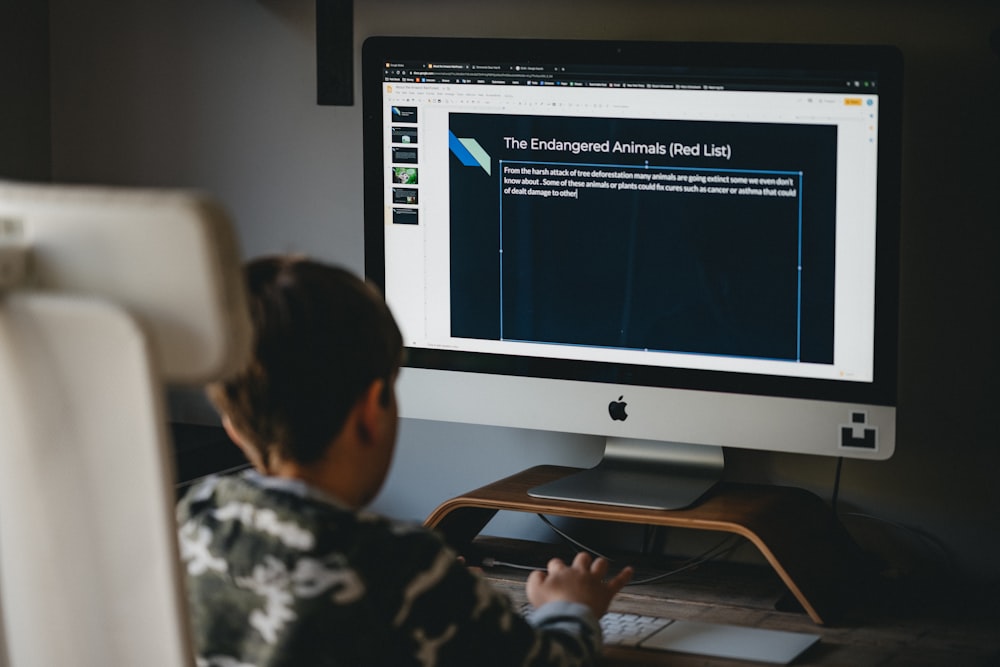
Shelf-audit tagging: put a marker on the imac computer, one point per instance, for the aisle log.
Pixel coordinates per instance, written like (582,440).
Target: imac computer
(681,247)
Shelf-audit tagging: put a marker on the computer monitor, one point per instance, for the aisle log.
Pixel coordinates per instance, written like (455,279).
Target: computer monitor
(682,247)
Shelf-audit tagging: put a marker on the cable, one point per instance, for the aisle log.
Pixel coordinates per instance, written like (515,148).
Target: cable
(489,561)
(724,547)
(227,471)
(727,545)
(652,539)
(717,551)
(572,541)
(836,484)
(921,535)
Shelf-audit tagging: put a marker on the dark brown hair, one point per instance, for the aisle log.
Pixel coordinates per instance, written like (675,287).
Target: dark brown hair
(322,336)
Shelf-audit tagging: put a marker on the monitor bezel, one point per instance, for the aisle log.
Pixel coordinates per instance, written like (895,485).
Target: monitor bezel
(885,61)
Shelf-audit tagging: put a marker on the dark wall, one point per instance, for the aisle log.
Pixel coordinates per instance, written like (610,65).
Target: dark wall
(222,95)
(24,103)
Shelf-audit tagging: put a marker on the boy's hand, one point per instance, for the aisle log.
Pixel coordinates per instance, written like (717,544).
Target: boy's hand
(471,568)
(582,582)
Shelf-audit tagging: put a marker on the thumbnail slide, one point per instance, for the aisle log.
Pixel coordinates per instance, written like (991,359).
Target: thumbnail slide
(404,154)
(683,236)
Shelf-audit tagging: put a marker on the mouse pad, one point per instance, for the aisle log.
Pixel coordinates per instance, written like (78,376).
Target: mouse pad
(731,641)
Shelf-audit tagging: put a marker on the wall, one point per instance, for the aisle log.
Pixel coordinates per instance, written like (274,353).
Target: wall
(24,75)
(220,95)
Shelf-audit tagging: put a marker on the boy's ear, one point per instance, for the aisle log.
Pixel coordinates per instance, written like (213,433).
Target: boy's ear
(231,431)
(253,456)
(371,411)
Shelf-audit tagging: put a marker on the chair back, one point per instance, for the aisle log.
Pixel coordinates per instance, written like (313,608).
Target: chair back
(108,295)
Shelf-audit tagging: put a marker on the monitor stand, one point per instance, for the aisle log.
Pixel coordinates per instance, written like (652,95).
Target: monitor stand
(645,474)
(793,529)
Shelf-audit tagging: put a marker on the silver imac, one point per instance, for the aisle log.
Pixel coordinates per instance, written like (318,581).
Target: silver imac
(682,247)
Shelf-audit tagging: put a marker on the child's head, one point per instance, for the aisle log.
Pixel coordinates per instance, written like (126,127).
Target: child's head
(322,337)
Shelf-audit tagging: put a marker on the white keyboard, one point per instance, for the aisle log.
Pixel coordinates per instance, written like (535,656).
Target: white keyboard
(708,639)
(622,629)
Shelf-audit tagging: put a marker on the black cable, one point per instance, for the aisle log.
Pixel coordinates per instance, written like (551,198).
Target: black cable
(922,536)
(578,545)
(724,547)
(836,485)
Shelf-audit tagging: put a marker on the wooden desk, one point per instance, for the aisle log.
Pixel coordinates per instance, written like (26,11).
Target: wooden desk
(794,529)
(894,627)
(883,622)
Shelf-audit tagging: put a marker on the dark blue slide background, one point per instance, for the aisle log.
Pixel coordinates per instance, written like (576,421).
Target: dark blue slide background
(712,274)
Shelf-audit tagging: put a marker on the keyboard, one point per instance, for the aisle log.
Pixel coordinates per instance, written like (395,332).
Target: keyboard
(656,633)
(621,629)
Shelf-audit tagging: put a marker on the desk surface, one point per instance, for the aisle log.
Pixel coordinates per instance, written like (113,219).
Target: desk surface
(896,628)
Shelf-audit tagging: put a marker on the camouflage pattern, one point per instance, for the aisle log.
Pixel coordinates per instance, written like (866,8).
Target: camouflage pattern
(278,574)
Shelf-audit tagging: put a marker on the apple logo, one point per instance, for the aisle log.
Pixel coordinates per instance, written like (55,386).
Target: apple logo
(617,410)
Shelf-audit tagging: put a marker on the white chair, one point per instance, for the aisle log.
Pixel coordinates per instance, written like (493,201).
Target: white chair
(106,294)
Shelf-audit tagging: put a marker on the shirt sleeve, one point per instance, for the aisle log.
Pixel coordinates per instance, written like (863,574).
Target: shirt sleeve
(456,617)
(571,618)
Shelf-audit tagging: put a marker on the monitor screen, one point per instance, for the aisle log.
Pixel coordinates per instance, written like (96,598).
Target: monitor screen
(688,243)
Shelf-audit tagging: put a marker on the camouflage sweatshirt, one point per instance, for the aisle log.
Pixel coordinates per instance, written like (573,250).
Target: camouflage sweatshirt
(280,574)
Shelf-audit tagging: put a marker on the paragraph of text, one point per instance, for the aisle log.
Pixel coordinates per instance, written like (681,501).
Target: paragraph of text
(567,181)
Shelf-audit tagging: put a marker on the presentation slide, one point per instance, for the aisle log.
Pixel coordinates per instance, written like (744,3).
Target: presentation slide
(683,236)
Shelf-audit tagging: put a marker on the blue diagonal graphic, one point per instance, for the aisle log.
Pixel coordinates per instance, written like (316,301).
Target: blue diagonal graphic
(469,152)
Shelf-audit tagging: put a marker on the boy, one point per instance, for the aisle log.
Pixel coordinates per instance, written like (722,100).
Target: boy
(284,565)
